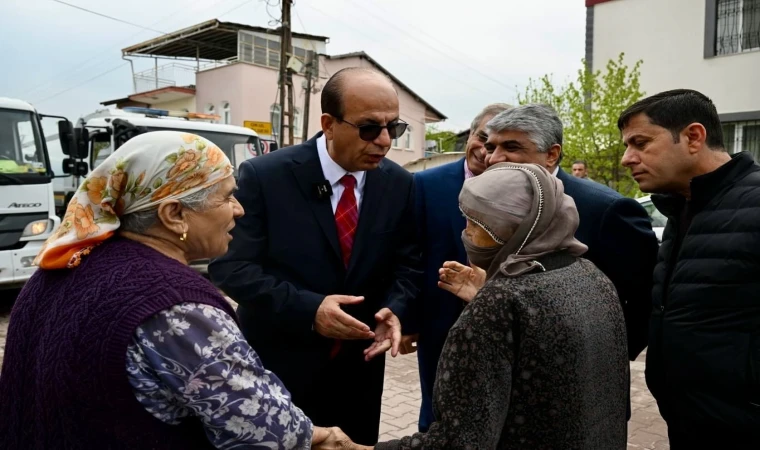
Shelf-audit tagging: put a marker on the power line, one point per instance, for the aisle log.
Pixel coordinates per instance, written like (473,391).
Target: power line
(162,33)
(444,73)
(311,44)
(82,83)
(107,17)
(122,21)
(273,21)
(81,66)
(474,69)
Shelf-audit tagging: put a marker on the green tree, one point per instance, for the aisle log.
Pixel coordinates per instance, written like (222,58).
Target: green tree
(589,108)
(446,139)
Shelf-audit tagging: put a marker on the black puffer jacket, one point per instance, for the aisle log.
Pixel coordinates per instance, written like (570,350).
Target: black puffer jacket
(703,362)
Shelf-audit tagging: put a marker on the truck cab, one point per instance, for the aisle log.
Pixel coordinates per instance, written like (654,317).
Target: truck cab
(27,210)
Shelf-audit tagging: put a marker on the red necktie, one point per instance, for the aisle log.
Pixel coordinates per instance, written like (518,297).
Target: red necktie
(346,218)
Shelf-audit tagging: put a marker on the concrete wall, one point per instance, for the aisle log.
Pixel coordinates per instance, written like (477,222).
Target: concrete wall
(250,90)
(669,36)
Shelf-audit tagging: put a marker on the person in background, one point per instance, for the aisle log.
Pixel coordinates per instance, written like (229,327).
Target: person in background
(325,260)
(116,343)
(703,361)
(440,225)
(538,359)
(579,169)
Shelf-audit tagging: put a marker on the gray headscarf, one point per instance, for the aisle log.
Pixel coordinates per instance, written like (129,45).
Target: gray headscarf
(525,210)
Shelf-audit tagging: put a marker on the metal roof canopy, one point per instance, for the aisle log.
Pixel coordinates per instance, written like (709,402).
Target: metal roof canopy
(211,40)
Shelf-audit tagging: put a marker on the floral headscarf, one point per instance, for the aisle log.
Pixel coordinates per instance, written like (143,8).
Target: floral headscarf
(145,171)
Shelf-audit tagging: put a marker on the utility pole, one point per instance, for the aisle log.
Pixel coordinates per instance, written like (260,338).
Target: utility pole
(291,108)
(284,76)
(310,61)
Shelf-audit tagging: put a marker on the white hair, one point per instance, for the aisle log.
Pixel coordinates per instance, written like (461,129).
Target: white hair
(540,122)
(139,222)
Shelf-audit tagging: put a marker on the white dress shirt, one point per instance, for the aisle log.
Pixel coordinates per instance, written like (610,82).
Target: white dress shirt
(556,171)
(333,173)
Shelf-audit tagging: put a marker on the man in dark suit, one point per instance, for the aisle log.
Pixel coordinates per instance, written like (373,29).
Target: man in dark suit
(616,229)
(325,259)
(440,225)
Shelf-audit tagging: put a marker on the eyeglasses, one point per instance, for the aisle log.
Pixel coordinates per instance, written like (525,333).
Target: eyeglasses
(370,132)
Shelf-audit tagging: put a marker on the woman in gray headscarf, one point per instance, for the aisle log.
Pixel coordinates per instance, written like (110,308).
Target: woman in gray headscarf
(538,359)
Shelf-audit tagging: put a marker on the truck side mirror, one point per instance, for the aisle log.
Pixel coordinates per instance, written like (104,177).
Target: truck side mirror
(75,168)
(82,139)
(66,137)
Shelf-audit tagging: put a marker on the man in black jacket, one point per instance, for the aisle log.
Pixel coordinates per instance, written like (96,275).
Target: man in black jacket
(325,260)
(703,362)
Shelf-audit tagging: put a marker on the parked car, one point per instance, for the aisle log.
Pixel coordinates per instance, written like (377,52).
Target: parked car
(658,220)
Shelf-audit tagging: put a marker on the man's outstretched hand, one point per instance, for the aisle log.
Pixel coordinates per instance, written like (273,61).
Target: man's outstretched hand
(387,335)
(332,322)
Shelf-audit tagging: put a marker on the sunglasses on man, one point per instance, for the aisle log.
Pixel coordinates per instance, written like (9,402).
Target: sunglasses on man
(370,132)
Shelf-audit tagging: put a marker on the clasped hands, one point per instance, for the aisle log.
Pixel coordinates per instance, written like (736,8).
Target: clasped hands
(332,322)
(333,439)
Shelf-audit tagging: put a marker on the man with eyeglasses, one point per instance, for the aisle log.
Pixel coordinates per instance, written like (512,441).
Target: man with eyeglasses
(325,260)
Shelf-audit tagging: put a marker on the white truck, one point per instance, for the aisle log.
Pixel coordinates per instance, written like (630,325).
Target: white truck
(104,131)
(27,210)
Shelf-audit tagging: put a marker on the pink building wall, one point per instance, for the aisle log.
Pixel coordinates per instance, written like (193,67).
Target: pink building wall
(250,90)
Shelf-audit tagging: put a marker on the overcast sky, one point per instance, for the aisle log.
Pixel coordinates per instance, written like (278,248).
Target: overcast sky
(457,57)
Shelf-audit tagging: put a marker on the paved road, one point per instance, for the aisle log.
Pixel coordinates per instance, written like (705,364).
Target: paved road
(401,399)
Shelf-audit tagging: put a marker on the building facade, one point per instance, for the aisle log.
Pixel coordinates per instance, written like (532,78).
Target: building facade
(712,46)
(236,77)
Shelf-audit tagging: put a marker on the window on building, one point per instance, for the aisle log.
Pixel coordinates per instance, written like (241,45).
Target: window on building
(742,137)
(274,114)
(297,123)
(408,137)
(265,51)
(738,26)
(210,109)
(226,115)
(274,52)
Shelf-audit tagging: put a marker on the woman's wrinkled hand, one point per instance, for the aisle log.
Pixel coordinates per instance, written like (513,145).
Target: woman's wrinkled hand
(333,439)
(462,281)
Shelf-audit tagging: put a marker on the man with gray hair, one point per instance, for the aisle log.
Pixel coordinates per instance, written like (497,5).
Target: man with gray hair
(616,229)
(440,225)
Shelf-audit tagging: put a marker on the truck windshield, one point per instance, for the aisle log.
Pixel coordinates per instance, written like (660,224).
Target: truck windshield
(235,146)
(22,154)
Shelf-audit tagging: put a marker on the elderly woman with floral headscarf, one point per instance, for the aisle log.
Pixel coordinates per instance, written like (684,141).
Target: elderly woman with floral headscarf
(538,359)
(116,343)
